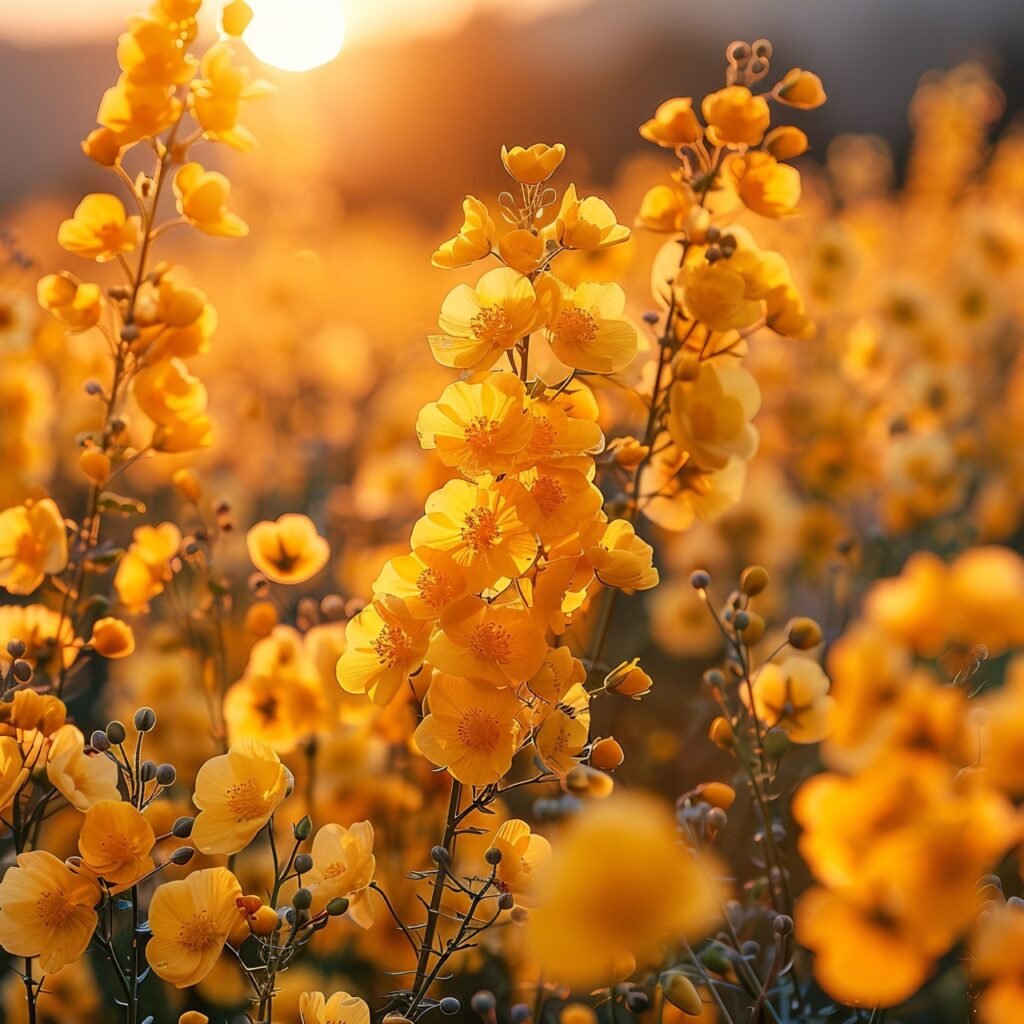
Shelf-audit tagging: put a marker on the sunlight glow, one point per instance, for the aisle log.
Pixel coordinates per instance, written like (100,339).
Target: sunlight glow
(297,35)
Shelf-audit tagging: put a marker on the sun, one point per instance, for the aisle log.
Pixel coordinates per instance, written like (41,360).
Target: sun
(296,35)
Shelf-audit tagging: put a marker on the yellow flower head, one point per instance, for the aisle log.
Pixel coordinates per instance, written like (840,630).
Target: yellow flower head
(145,566)
(76,305)
(216,98)
(82,779)
(674,124)
(471,729)
(340,1008)
(190,921)
(472,243)
(735,117)
(131,111)
(793,695)
(150,53)
(521,249)
(343,865)
(587,223)
(801,89)
(279,708)
(116,842)
(288,550)
(716,294)
(786,142)
(112,638)
(100,228)
(534,164)
(30,712)
(488,642)
(46,910)
(33,545)
(426,580)
(384,646)
(523,856)
(620,558)
(587,330)
(628,680)
(202,201)
(666,208)
(709,416)
(566,500)
(481,323)
(766,186)
(488,531)
(236,794)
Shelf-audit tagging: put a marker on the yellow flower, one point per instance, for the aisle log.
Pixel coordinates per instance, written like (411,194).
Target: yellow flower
(487,530)
(562,439)
(100,228)
(116,842)
(620,558)
(279,708)
(150,53)
(997,958)
(665,207)
(786,142)
(735,117)
(103,146)
(29,712)
(236,794)
(629,680)
(765,186)
(619,883)
(534,164)
(112,638)
(288,550)
(716,294)
(46,910)
(521,249)
(384,646)
(340,1008)
(426,581)
(801,89)
(343,865)
(674,124)
(793,695)
(478,426)
(235,17)
(132,111)
(202,201)
(216,98)
(145,566)
(82,779)
(472,243)
(565,498)
(709,416)
(471,729)
(481,323)
(489,642)
(190,921)
(15,768)
(175,401)
(587,223)
(564,731)
(587,331)
(76,305)
(523,855)
(33,545)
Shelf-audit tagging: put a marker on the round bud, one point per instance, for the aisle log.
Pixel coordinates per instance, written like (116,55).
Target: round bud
(776,743)
(637,1000)
(714,679)
(651,317)
(288,915)
(182,828)
(741,620)
(93,388)
(332,607)
(753,580)
(337,906)
(506,901)
(520,1013)
(98,741)
(493,856)
(713,234)
(116,733)
(804,633)
(717,818)
(700,580)
(182,855)
(303,863)
(22,671)
(145,719)
(783,925)
(750,948)
(303,899)
(439,855)
(449,1005)
(301,829)
(147,771)
(754,629)
(682,993)
(483,1002)
(165,774)
(16,648)
(714,957)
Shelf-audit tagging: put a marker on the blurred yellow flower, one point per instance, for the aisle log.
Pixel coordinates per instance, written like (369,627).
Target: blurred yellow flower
(766,186)
(112,638)
(735,117)
(340,1008)
(236,794)
(202,201)
(100,228)
(793,695)
(521,249)
(716,294)
(76,305)
(216,97)
(33,545)
(145,566)
(46,910)
(674,124)
(287,550)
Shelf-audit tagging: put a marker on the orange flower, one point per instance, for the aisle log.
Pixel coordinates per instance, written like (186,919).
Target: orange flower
(343,865)
(288,550)
(533,164)
(116,842)
(33,544)
(426,580)
(112,638)
(523,855)
(674,124)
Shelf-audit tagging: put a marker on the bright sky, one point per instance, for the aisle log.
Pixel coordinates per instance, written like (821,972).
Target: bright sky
(62,21)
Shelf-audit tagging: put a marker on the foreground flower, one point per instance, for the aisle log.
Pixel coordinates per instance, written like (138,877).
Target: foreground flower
(674,124)
(100,228)
(190,921)
(343,866)
(620,558)
(288,550)
(340,1008)
(587,223)
(533,164)
(735,116)
(116,842)
(472,243)
(46,910)
(33,544)
(587,331)
(236,794)
(82,779)
(523,855)
(618,885)
(471,729)
(202,201)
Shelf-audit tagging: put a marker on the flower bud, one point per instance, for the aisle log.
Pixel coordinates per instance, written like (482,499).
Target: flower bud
(303,863)
(681,992)
(95,466)
(493,856)
(16,648)
(776,743)
(302,899)
(147,771)
(98,741)
(182,827)
(302,828)
(483,1002)
(182,855)
(783,925)
(637,1000)
(22,671)
(804,633)
(145,719)
(264,921)
(165,774)
(116,733)
(449,1006)
(700,579)
(337,906)
(721,733)
(506,901)
(186,482)
(753,628)
(753,580)
(260,619)
(439,855)
(718,794)
(628,680)
(607,754)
